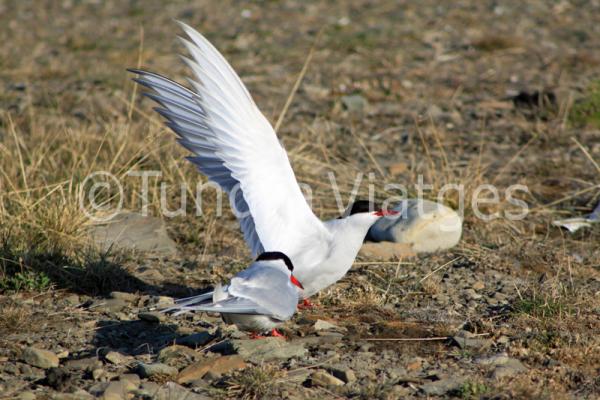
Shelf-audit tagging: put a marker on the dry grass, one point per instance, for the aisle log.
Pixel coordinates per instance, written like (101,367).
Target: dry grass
(69,109)
(13,318)
(253,383)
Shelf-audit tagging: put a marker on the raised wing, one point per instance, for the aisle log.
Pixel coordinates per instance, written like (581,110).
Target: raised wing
(235,146)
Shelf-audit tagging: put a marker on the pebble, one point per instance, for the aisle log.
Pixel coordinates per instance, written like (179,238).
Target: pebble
(108,305)
(116,358)
(343,373)
(98,373)
(40,358)
(27,396)
(156,370)
(322,378)
(479,285)
(63,354)
(216,366)
(354,102)
(322,325)
(130,381)
(84,364)
(178,356)
(504,366)
(268,349)
(511,368)
(115,390)
(442,386)
(152,317)
(466,340)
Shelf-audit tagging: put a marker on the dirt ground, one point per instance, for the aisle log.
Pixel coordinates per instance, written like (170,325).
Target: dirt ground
(466,92)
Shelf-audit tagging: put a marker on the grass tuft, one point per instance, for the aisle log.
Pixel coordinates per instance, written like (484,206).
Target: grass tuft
(255,383)
(586,111)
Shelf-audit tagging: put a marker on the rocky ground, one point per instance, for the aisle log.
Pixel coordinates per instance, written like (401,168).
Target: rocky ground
(467,93)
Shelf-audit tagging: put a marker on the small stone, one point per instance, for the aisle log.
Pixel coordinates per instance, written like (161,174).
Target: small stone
(267,349)
(164,301)
(84,364)
(466,340)
(497,359)
(148,389)
(343,373)
(354,103)
(152,317)
(27,396)
(97,374)
(217,366)
(57,378)
(78,394)
(442,386)
(322,378)
(108,305)
(171,391)
(178,356)
(511,368)
(40,358)
(156,370)
(115,391)
(117,358)
(321,325)
(130,381)
(479,285)
(195,340)
(128,297)
(63,354)
(72,300)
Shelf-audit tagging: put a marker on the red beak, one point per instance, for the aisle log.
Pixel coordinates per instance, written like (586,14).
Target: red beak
(295,282)
(383,213)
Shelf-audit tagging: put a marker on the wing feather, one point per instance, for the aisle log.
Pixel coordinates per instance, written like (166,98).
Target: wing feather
(235,146)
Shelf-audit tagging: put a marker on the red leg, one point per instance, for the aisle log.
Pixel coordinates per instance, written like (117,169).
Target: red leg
(306,304)
(256,336)
(276,333)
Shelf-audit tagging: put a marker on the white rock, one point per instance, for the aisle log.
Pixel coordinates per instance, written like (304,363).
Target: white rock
(424,225)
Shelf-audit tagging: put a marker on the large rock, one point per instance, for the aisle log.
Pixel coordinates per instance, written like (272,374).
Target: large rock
(267,349)
(442,386)
(40,358)
(217,366)
(133,231)
(424,225)
(156,370)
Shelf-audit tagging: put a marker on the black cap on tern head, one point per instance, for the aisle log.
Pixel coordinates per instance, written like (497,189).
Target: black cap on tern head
(276,255)
(360,206)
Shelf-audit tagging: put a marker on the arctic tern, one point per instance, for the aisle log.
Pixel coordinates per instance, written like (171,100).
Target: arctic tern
(235,146)
(257,299)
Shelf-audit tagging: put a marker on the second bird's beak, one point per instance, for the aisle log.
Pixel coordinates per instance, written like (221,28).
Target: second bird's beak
(385,213)
(296,282)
